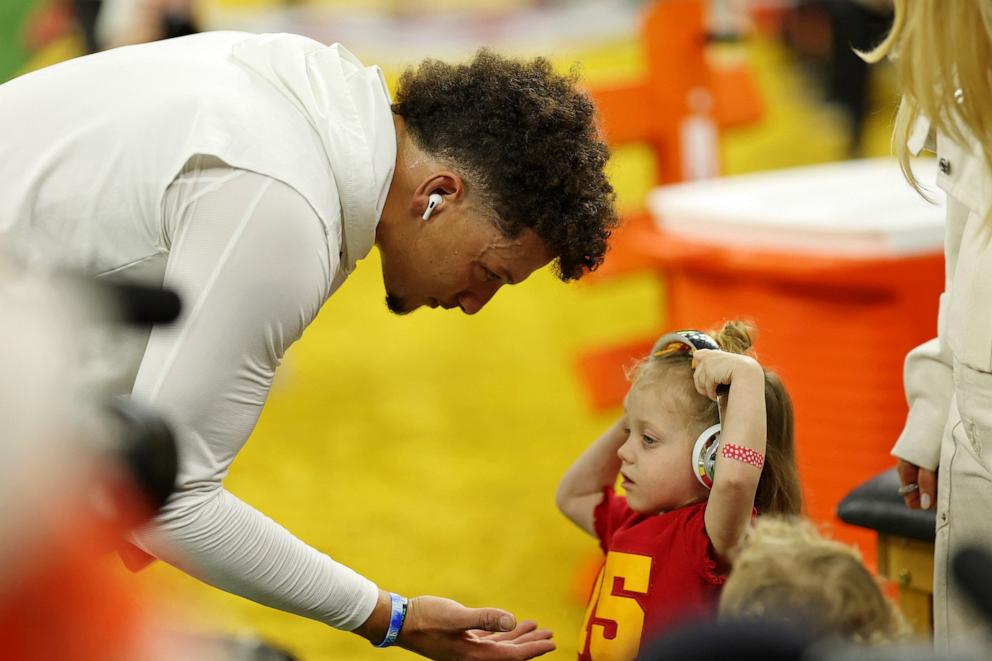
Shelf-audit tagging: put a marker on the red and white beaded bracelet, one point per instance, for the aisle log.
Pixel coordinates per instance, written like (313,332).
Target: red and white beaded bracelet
(741,453)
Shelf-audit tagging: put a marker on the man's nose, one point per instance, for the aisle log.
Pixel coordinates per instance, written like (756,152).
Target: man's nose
(473,300)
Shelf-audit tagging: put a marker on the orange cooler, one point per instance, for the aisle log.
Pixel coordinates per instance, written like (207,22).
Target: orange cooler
(840,266)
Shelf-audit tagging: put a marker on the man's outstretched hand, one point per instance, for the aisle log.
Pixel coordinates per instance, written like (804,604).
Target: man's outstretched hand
(443,629)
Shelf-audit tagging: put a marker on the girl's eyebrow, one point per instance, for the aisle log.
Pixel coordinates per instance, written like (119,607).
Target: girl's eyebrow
(644,422)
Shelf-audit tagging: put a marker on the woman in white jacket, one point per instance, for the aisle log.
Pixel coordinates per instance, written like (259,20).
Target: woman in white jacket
(942,50)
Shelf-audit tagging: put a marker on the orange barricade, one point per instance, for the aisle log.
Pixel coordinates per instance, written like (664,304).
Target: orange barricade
(676,53)
(680,61)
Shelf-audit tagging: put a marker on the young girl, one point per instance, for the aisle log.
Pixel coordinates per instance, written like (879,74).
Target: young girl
(670,539)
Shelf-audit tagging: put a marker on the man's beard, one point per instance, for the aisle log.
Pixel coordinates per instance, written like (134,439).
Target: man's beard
(396,304)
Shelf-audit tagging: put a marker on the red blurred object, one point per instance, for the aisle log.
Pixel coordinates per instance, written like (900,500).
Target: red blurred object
(49,22)
(62,597)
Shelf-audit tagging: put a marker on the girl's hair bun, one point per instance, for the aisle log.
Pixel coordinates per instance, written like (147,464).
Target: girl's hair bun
(735,336)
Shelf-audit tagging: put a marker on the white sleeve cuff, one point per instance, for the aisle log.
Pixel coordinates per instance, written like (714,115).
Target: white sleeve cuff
(919,442)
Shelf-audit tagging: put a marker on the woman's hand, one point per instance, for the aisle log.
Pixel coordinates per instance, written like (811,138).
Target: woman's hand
(924,497)
(714,368)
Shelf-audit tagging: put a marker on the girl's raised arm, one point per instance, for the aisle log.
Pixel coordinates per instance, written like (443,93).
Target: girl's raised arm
(581,489)
(742,444)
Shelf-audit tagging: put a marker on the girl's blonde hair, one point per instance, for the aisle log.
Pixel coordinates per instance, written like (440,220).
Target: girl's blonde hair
(787,571)
(778,489)
(942,51)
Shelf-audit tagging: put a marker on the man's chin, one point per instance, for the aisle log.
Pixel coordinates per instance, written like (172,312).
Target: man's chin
(397,305)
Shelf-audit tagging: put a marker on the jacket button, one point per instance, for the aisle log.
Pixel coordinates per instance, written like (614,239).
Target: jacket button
(944,165)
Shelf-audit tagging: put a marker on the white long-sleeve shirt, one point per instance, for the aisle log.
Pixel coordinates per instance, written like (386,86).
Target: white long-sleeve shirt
(249,261)
(248,173)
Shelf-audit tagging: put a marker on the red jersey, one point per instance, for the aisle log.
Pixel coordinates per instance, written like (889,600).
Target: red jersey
(659,569)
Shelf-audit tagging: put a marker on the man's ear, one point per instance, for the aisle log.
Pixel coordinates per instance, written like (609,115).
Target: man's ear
(446,184)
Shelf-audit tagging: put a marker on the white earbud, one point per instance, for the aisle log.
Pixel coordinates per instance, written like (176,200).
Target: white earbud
(433,201)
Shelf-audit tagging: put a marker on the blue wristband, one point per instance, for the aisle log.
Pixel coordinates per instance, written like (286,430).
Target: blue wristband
(397,616)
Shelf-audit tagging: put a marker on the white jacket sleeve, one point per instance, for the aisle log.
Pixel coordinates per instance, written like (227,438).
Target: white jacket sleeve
(927,375)
(929,385)
(251,261)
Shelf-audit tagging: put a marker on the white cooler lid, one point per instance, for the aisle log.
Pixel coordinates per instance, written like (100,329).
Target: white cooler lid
(849,208)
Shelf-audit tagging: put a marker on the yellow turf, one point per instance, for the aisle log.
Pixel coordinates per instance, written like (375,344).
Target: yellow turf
(424,451)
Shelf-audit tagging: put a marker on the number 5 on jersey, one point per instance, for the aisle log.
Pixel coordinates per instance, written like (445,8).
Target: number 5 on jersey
(617,620)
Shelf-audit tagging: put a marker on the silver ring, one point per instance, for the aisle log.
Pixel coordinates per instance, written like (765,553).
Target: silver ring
(907,489)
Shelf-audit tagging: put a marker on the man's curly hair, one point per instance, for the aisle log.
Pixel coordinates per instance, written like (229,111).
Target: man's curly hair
(526,137)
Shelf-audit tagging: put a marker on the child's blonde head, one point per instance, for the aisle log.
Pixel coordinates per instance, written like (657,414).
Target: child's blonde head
(787,571)
(778,490)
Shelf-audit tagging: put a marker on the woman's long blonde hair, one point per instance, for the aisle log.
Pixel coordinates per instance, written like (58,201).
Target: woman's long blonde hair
(942,51)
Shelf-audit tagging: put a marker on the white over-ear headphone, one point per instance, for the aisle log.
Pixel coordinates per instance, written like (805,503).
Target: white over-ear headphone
(705,448)
(434,200)
(704,455)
